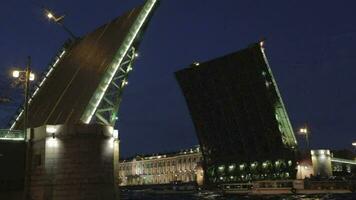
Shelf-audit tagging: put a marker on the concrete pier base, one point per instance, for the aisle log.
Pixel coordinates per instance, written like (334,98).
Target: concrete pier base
(73,162)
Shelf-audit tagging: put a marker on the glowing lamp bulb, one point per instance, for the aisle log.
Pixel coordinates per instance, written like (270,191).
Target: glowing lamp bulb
(50,15)
(15,74)
(303,130)
(32,77)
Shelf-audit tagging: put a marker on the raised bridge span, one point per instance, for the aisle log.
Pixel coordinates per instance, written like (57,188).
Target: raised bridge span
(84,83)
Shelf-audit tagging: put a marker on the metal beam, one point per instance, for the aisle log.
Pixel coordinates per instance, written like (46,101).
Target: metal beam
(287,132)
(119,59)
(107,111)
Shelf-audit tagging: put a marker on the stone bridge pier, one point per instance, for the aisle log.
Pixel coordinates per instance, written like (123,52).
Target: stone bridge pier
(73,161)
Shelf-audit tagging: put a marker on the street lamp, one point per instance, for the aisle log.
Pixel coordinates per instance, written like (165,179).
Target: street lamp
(22,75)
(305,131)
(58,20)
(26,76)
(50,15)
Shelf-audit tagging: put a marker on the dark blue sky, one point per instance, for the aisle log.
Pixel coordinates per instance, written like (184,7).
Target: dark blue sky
(310,46)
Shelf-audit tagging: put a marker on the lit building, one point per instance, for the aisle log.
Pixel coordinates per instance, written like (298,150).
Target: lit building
(181,167)
(240,119)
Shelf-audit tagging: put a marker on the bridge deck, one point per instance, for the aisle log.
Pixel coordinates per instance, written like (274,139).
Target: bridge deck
(65,94)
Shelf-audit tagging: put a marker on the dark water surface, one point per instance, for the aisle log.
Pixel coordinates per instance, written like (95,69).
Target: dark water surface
(196,196)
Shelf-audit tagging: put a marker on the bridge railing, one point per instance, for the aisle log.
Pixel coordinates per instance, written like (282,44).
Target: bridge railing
(344,161)
(6,134)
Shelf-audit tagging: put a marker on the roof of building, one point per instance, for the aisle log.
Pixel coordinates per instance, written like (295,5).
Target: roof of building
(193,150)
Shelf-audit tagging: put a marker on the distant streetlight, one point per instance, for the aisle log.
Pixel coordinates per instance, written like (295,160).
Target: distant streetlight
(305,132)
(354,144)
(58,20)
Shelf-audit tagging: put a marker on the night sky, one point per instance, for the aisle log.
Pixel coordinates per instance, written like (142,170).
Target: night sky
(310,46)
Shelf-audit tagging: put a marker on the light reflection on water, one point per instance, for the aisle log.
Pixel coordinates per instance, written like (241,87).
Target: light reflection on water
(211,196)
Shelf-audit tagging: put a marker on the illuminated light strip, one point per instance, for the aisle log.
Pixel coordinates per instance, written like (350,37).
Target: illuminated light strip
(12,126)
(17,119)
(19,115)
(35,92)
(279,95)
(134,30)
(345,161)
(49,72)
(63,52)
(42,82)
(14,139)
(55,63)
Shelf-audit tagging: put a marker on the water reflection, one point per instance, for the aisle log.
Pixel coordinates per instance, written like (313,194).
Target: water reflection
(215,196)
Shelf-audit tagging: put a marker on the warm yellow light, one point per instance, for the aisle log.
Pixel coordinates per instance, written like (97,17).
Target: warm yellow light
(354,144)
(50,15)
(15,74)
(52,142)
(115,134)
(303,130)
(262,43)
(32,77)
(51,129)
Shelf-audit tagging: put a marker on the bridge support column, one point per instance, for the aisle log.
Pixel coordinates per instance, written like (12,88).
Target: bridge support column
(74,162)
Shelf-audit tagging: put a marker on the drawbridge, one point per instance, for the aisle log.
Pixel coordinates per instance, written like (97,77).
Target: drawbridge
(85,81)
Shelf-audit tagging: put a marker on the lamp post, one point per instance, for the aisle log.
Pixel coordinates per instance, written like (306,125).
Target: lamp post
(305,131)
(58,20)
(25,76)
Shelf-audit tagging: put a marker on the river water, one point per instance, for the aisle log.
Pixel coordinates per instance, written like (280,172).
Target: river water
(215,196)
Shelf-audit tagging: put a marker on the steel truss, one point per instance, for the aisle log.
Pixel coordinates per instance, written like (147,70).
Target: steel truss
(107,111)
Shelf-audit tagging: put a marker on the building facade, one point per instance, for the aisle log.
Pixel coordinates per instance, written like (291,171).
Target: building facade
(183,166)
(240,119)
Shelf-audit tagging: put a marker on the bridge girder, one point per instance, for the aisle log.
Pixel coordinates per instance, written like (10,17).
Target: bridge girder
(107,111)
